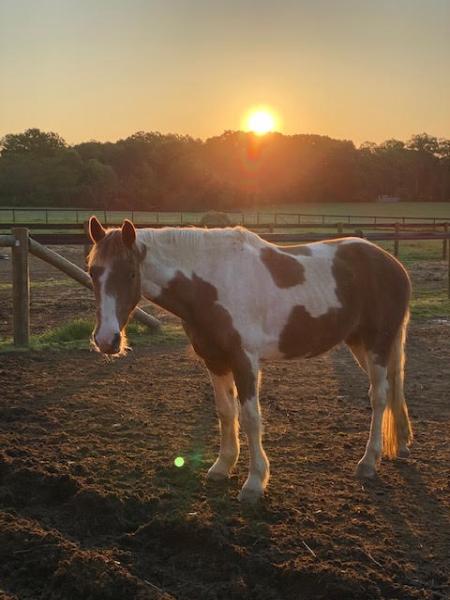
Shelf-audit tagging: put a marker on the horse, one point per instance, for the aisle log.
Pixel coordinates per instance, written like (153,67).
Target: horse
(244,301)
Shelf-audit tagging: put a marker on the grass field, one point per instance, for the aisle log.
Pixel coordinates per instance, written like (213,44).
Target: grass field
(313,213)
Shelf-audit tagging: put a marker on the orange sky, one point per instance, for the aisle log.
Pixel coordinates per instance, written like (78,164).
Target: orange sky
(103,69)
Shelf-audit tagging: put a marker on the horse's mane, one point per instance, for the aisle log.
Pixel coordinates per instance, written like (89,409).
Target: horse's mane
(197,237)
(185,238)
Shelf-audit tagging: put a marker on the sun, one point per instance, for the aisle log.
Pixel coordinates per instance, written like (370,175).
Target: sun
(260,120)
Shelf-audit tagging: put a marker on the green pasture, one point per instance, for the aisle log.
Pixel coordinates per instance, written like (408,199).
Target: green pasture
(395,210)
(350,212)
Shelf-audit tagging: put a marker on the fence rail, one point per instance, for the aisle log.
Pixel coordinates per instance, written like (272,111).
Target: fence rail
(49,216)
(76,239)
(397,233)
(258,227)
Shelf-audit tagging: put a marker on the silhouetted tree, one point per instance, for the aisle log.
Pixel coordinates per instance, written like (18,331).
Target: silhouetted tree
(31,141)
(151,170)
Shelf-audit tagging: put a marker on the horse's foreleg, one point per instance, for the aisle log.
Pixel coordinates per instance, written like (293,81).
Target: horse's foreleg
(378,395)
(227,411)
(247,382)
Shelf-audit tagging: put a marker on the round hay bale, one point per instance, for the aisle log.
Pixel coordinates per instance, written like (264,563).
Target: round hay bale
(214,218)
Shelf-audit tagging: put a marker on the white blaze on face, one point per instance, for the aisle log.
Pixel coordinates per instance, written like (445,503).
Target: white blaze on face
(108,327)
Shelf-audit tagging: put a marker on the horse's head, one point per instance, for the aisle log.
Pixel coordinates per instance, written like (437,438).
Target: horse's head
(114,269)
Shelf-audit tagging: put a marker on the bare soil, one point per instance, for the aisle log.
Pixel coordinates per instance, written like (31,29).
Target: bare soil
(92,506)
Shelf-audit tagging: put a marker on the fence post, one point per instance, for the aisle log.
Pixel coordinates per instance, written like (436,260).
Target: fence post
(445,243)
(396,241)
(21,287)
(448,267)
(339,228)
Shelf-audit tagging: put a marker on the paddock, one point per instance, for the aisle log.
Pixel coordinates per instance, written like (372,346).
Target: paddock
(92,504)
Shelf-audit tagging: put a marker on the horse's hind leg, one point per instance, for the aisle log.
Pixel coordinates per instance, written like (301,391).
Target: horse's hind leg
(247,378)
(359,353)
(378,377)
(228,412)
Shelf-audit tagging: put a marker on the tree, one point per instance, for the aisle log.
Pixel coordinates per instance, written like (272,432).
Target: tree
(426,181)
(234,170)
(32,141)
(444,160)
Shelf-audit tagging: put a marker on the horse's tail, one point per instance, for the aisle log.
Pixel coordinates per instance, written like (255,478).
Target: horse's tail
(397,431)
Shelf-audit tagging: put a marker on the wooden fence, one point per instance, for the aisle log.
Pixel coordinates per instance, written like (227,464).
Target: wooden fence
(75,233)
(22,216)
(22,244)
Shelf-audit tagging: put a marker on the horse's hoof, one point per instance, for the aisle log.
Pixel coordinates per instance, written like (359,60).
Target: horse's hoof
(404,452)
(217,476)
(249,496)
(365,471)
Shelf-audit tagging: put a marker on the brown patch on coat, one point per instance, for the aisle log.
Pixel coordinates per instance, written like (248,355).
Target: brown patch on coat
(286,271)
(385,290)
(210,328)
(307,336)
(373,289)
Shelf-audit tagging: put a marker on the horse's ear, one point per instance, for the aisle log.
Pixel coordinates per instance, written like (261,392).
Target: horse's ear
(96,231)
(128,233)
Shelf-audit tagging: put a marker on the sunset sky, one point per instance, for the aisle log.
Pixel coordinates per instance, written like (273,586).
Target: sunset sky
(104,69)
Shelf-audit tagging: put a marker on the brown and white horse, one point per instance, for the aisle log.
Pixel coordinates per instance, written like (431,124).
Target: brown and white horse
(243,301)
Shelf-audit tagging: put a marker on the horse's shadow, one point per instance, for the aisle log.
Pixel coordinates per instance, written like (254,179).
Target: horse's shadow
(409,507)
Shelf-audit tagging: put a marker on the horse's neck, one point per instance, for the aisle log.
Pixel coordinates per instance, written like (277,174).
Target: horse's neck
(165,256)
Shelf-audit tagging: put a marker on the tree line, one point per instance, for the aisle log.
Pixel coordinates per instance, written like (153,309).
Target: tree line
(154,171)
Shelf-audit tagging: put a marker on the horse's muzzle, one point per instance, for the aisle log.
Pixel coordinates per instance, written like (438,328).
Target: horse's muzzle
(112,347)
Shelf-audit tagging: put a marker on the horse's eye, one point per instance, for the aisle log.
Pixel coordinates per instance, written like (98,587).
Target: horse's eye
(95,272)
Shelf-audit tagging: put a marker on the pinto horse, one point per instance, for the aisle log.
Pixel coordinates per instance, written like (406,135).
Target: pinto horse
(243,301)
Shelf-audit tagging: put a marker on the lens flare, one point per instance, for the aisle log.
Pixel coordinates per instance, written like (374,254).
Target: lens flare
(179,461)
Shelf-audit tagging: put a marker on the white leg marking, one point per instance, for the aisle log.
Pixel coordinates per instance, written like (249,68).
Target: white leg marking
(378,395)
(227,411)
(258,475)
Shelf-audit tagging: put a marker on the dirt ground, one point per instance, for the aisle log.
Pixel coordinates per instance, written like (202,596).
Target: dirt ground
(92,506)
